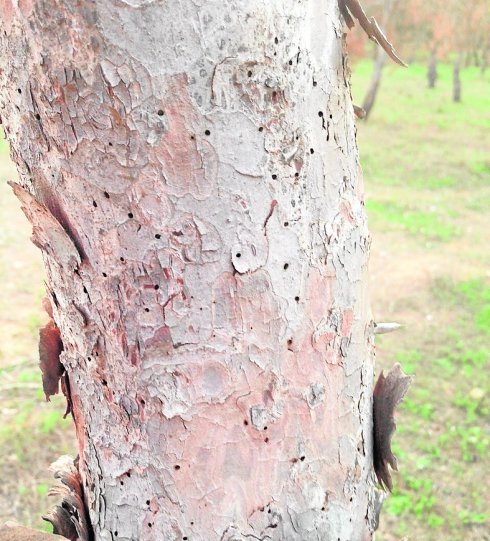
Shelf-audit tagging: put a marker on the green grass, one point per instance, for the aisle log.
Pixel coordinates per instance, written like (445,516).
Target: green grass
(426,167)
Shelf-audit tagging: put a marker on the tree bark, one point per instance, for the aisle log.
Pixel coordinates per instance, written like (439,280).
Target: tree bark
(456,78)
(191,173)
(432,69)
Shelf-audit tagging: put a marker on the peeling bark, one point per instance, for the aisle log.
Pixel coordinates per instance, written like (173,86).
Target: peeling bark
(191,173)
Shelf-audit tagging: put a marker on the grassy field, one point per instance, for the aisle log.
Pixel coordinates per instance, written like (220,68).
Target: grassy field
(426,163)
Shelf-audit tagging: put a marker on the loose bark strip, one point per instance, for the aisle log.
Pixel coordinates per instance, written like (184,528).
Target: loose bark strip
(370,26)
(388,393)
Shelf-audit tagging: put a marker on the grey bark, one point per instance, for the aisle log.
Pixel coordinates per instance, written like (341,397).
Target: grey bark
(191,173)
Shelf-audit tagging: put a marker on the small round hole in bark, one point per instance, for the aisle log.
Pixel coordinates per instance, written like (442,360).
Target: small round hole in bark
(121,483)
(121,259)
(274,177)
(286,224)
(94,203)
(160,112)
(150,524)
(128,474)
(158,236)
(130,215)
(207,132)
(276,40)
(192,137)
(147,502)
(261,128)
(109,143)
(38,116)
(147,309)
(106,195)
(245,422)
(296,174)
(265,428)
(104,274)
(286,266)
(249,73)
(296,298)
(176,467)
(274,94)
(266,440)
(323,508)
(331,115)
(290,62)
(290,342)
(239,254)
(19,91)
(320,113)
(104,383)
(142,402)
(157,286)
(115,534)
(314,83)
(312,151)
(302,458)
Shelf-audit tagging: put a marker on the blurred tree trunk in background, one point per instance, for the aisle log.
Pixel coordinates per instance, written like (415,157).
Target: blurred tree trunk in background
(456,77)
(432,69)
(372,90)
(191,173)
(379,62)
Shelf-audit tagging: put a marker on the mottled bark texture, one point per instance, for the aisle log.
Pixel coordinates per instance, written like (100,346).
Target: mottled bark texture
(199,204)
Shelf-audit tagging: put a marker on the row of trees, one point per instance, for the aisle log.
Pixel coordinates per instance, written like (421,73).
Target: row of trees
(454,31)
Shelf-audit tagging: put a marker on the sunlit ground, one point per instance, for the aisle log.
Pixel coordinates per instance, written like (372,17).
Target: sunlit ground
(426,164)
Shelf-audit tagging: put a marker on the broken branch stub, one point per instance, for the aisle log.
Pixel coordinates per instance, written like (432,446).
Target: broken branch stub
(352,8)
(388,393)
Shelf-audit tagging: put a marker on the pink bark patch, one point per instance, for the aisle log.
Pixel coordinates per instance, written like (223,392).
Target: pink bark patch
(6,14)
(189,162)
(347,319)
(26,7)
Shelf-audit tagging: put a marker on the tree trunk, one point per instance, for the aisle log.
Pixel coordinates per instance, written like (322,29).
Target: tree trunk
(456,78)
(191,173)
(432,69)
(372,90)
